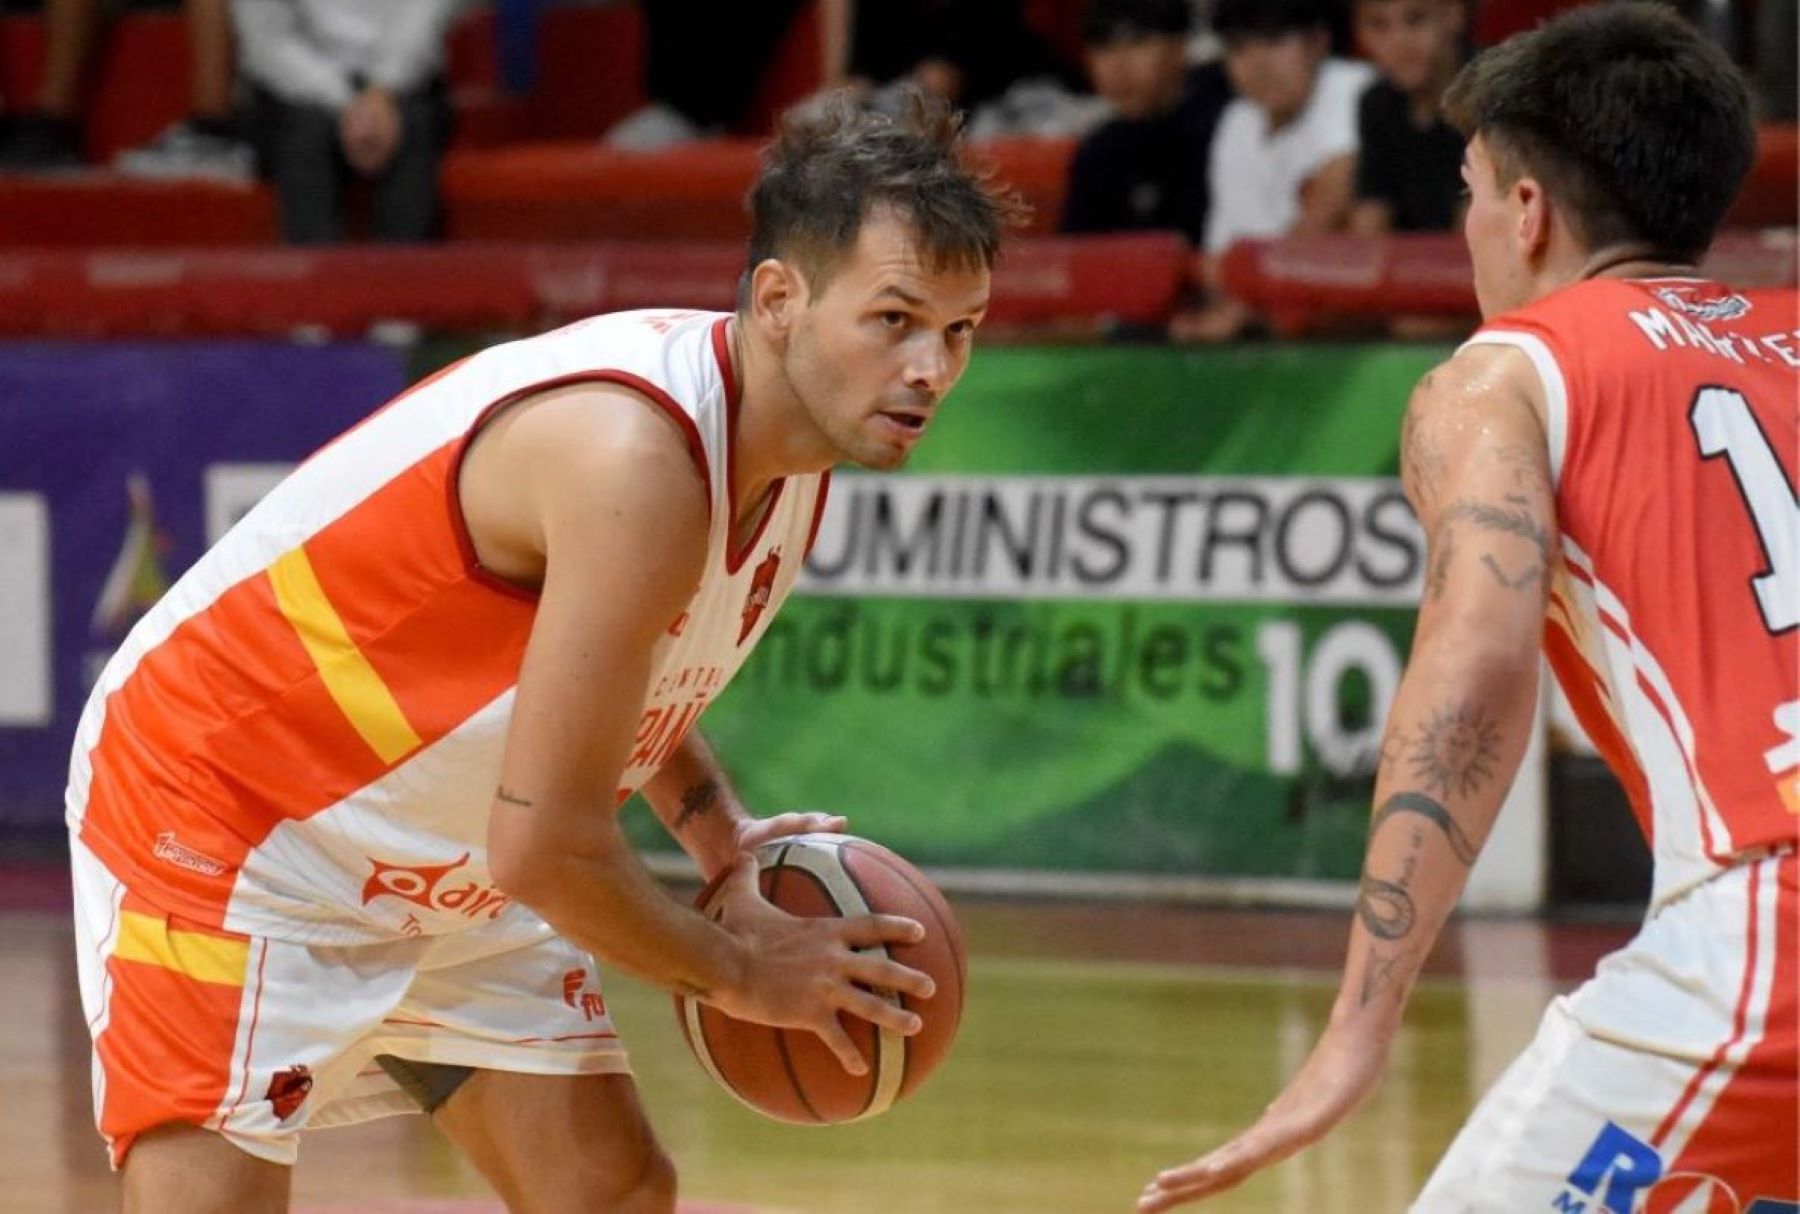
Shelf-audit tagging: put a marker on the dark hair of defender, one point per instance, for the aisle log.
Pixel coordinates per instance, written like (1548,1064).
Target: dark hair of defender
(834,162)
(1635,124)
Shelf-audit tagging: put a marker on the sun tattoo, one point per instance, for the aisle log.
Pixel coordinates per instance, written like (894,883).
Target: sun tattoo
(1455,752)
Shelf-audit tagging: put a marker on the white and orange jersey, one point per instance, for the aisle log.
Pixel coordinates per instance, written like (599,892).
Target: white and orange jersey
(1674,617)
(302,739)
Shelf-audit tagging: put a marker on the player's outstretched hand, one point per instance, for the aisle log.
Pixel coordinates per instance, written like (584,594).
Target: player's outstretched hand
(752,833)
(801,972)
(1342,1070)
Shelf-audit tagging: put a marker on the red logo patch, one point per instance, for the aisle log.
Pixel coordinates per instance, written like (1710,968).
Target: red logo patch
(426,885)
(762,589)
(588,1003)
(288,1090)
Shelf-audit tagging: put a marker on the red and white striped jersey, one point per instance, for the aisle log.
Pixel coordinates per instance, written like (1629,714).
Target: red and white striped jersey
(1674,617)
(302,739)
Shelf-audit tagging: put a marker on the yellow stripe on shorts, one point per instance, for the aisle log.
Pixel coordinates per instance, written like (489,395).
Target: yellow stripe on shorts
(358,690)
(208,958)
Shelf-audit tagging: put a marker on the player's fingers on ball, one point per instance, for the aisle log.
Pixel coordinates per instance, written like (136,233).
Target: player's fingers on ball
(802,824)
(873,969)
(863,930)
(832,1033)
(867,1005)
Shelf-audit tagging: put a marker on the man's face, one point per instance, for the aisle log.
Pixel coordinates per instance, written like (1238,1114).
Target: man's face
(872,354)
(1491,226)
(1411,42)
(1140,76)
(1275,73)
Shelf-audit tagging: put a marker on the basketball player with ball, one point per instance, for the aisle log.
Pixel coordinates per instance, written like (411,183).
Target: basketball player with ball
(343,807)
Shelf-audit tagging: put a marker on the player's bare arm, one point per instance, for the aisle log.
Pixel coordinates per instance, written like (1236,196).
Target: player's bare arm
(1475,467)
(695,801)
(602,487)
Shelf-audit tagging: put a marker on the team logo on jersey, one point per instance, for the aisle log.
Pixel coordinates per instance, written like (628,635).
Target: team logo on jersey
(426,885)
(288,1091)
(762,589)
(1713,307)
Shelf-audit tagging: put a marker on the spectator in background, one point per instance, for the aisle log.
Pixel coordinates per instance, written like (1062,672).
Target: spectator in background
(1777,30)
(703,63)
(1146,169)
(349,86)
(981,55)
(206,144)
(1284,157)
(1409,162)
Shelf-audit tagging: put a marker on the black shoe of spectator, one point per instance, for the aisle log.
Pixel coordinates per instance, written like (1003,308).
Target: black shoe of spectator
(36,142)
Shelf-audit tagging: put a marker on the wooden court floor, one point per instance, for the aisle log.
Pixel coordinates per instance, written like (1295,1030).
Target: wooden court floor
(1101,1042)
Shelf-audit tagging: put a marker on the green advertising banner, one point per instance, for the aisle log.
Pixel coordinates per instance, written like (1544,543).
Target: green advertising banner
(1128,610)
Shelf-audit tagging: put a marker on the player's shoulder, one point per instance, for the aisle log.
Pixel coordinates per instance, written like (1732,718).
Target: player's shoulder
(609,431)
(1479,389)
(1477,378)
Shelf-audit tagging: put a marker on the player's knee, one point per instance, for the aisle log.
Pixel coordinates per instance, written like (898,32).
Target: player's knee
(655,1189)
(646,1185)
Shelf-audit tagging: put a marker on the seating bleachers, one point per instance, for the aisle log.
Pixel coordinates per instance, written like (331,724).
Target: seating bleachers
(527,167)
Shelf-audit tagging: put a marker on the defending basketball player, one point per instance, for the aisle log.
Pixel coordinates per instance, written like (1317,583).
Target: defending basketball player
(343,807)
(1607,466)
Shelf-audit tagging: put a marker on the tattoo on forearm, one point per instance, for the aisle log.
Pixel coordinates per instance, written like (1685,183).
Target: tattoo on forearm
(1525,580)
(1418,803)
(507,797)
(1454,753)
(697,802)
(1385,969)
(1385,905)
(1385,908)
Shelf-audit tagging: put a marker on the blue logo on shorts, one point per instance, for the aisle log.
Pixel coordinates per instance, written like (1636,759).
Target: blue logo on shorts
(1620,1168)
(1616,1168)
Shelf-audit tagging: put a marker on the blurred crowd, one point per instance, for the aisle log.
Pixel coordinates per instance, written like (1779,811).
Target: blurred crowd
(1220,119)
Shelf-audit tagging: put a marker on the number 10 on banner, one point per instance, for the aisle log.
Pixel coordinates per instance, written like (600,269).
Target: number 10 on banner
(1305,694)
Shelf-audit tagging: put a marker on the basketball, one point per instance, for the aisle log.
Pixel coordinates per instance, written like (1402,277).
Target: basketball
(789,1074)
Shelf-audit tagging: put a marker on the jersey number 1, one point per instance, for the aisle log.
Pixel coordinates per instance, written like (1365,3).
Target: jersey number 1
(1724,425)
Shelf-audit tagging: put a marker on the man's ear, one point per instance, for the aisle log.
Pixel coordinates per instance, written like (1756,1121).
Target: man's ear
(1533,207)
(777,294)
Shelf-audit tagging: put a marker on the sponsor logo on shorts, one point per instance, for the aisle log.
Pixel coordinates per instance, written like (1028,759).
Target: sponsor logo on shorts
(288,1091)
(432,887)
(588,1003)
(1623,1174)
(171,850)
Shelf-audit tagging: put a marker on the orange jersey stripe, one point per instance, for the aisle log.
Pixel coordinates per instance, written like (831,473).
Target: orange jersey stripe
(442,637)
(298,687)
(170,1035)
